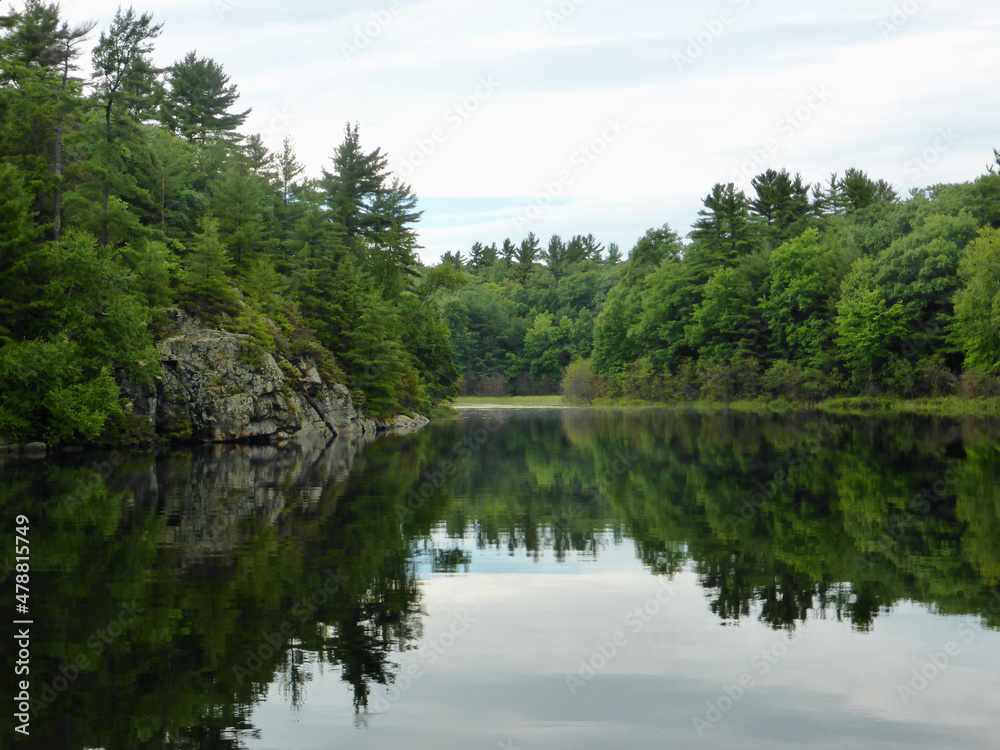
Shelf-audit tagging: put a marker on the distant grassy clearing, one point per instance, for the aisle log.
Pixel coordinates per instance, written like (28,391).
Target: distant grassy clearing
(952,406)
(508,402)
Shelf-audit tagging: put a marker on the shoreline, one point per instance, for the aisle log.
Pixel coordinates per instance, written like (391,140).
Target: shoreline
(947,406)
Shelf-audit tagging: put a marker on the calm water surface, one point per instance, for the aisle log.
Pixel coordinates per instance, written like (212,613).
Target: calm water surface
(522,579)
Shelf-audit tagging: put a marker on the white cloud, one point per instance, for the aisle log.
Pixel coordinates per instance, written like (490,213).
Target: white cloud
(687,128)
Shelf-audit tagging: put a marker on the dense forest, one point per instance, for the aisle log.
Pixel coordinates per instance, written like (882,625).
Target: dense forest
(795,291)
(132,191)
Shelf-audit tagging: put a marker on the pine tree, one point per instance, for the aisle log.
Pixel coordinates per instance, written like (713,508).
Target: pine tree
(37,94)
(555,256)
(126,82)
(527,253)
(207,267)
(476,256)
(860,191)
(781,201)
(592,249)
(614,256)
(508,250)
(259,159)
(198,101)
(69,101)
(724,231)
(351,189)
(289,168)
(238,203)
(490,255)
(391,257)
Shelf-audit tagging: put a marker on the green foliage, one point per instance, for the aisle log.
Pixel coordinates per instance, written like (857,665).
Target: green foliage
(779,294)
(784,380)
(798,304)
(580,383)
(90,298)
(782,204)
(977,302)
(428,341)
(48,391)
(259,331)
(354,185)
(725,231)
(124,73)
(206,269)
(17,235)
(860,191)
(868,328)
(156,199)
(527,253)
(613,349)
(728,322)
(545,348)
(198,100)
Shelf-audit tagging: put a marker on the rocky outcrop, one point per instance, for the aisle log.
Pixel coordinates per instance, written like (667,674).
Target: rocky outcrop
(216,386)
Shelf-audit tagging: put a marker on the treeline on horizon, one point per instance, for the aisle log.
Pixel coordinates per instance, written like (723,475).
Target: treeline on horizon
(133,192)
(793,291)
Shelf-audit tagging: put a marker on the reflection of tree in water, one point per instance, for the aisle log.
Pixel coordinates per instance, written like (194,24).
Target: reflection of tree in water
(222,616)
(833,529)
(451,561)
(253,537)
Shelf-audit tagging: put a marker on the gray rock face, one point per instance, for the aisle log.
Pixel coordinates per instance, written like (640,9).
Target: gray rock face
(216,387)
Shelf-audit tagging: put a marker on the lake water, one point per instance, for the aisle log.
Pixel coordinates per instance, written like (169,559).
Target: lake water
(538,579)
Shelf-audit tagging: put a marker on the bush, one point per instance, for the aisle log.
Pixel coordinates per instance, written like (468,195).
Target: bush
(641,380)
(784,380)
(933,379)
(818,384)
(979,384)
(580,384)
(745,372)
(687,382)
(899,378)
(716,382)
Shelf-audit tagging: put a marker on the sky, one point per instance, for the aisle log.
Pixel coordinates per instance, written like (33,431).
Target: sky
(502,663)
(586,116)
